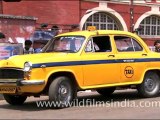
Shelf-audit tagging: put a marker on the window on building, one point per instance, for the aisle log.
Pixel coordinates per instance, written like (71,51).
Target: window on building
(102,21)
(150,26)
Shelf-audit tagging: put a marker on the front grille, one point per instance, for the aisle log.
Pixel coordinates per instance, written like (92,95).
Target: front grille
(11,74)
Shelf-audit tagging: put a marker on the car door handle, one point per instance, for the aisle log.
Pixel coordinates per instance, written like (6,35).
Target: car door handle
(111,55)
(144,54)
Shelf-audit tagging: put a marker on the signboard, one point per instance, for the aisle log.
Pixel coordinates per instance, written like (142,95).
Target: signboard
(7,50)
(42,36)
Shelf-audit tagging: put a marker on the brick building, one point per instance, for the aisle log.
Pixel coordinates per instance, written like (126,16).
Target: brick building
(125,15)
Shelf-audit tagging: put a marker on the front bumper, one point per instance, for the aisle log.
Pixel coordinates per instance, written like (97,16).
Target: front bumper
(21,82)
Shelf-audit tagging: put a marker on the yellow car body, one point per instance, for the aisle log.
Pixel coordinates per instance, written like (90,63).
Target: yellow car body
(89,69)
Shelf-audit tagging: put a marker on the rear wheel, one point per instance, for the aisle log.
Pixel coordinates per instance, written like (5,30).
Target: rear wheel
(14,99)
(150,85)
(61,92)
(106,91)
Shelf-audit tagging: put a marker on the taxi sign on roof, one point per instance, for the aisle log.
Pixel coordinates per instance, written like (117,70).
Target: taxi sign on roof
(91,28)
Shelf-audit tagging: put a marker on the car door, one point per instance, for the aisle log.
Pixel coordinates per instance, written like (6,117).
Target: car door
(130,55)
(100,62)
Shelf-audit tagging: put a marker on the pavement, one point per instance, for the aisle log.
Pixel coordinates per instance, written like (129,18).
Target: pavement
(123,104)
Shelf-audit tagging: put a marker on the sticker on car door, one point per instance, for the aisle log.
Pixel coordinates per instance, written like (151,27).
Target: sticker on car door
(128,71)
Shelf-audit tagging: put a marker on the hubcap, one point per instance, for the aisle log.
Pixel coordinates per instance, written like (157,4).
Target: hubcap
(149,84)
(63,90)
(63,93)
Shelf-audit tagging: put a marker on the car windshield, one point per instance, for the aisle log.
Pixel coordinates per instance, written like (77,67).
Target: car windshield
(65,44)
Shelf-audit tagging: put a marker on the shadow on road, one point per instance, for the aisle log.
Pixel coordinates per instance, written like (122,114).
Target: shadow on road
(119,96)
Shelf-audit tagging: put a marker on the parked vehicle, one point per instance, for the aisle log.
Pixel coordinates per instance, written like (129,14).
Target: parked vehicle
(95,59)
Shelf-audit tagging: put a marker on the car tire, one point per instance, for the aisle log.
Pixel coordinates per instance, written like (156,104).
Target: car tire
(61,92)
(106,91)
(150,85)
(14,99)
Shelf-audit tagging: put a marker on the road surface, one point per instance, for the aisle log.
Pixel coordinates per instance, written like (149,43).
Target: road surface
(121,105)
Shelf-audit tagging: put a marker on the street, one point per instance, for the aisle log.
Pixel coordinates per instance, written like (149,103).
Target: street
(127,110)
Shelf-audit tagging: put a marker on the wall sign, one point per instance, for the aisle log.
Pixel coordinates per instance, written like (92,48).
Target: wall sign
(7,50)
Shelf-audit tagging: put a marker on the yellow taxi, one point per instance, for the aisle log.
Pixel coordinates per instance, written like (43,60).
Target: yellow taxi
(94,59)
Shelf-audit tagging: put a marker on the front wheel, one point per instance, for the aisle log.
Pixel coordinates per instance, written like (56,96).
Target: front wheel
(150,85)
(61,92)
(14,99)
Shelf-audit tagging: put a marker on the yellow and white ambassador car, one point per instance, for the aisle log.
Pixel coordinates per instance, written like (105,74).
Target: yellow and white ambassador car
(101,60)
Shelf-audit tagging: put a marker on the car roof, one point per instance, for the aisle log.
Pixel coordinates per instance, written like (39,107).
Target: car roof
(99,32)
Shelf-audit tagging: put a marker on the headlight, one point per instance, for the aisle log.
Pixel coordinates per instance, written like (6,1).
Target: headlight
(27,66)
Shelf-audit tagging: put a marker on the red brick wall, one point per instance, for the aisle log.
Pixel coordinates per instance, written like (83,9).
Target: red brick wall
(1,7)
(64,13)
(125,13)
(139,10)
(52,12)
(16,30)
(87,5)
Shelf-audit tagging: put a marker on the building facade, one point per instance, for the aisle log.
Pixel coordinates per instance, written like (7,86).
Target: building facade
(127,15)
(16,28)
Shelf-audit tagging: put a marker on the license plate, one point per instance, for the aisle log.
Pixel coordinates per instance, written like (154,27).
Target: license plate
(7,89)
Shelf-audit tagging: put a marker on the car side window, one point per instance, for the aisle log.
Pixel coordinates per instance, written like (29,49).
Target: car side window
(99,44)
(127,44)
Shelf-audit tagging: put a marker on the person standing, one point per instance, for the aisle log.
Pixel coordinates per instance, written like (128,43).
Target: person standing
(157,45)
(55,29)
(28,47)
